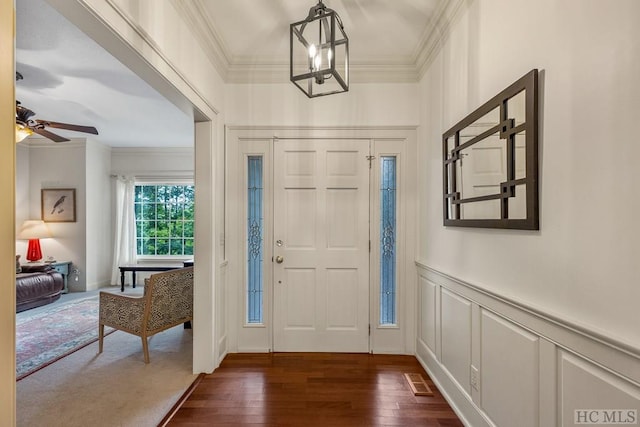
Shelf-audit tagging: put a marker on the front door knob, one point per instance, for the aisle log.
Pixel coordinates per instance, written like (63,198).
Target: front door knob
(279,259)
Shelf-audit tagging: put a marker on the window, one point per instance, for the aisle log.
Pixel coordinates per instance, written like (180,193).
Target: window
(254,240)
(164,219)
(388,241)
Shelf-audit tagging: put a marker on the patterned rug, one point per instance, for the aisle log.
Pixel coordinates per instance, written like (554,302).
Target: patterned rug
(45,337)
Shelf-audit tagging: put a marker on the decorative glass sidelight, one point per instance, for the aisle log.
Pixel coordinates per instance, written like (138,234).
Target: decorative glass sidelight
(388,240)
(254,240)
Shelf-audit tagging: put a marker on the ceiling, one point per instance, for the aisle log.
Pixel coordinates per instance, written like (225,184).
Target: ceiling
(69,78)
(249,39)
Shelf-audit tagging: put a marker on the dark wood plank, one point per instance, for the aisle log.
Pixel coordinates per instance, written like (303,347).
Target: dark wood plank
(312,389)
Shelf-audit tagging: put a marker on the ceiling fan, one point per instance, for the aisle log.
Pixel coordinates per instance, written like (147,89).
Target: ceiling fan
(26,126)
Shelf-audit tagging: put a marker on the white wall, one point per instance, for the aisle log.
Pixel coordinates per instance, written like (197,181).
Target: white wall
(581,266)
(22,195)
(285,105)
(152,161)
(61,166)
(98,215)
(85,166)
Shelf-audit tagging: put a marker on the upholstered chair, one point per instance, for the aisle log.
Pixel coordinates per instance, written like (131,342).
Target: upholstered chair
(167,302)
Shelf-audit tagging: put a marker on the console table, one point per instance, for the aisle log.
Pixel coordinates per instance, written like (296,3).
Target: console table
(62,267)
(133,268)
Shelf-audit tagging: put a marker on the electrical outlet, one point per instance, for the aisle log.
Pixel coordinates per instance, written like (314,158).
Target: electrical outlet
(475,378)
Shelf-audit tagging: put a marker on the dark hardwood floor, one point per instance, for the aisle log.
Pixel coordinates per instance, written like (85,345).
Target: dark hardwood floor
(312,389)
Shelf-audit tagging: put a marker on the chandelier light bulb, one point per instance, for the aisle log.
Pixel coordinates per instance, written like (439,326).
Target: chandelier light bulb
(312,51)
(318,62)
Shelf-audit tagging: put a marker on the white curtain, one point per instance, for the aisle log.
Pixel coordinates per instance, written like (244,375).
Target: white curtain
(124,250)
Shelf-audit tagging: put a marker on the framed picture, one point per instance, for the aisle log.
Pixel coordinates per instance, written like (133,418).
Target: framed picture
(59,205)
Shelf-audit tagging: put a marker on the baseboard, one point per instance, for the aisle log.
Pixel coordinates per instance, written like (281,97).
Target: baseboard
(222,350)
(469,414)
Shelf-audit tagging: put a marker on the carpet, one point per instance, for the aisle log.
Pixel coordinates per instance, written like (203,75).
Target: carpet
(45,337)
(114,388)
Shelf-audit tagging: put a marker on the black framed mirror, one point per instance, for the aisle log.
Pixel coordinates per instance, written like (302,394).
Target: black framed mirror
(490,162)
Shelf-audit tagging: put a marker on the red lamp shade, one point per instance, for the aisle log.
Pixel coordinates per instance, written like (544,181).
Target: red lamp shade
(34,230)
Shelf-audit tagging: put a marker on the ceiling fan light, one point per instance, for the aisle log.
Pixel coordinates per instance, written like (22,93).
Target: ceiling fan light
(22,132)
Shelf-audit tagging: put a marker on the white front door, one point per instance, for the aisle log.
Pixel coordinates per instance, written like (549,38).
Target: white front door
(321,245)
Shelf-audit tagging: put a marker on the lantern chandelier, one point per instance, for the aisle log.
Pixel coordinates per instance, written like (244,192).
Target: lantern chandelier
(319,53)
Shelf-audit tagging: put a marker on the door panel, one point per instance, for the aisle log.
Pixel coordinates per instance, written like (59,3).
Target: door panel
(300,306)
(341,211)
(342,291)
(321,219)
(299,217)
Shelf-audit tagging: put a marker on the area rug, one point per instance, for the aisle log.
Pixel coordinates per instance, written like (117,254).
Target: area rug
(47,336)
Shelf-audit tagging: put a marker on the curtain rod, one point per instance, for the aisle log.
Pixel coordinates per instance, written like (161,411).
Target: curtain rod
(158,175)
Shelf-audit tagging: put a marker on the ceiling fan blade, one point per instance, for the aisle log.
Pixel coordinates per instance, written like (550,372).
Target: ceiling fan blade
(52,136)
(67,126)
(22,113)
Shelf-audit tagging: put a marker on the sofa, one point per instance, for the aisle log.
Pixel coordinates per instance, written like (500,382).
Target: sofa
(37,285)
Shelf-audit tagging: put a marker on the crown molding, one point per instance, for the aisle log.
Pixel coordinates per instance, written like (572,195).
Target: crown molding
(41,142)
(197,18)
(436,34)
(151,151)
(242,70)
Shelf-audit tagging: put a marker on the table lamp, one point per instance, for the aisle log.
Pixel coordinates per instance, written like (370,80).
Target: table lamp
(34,230)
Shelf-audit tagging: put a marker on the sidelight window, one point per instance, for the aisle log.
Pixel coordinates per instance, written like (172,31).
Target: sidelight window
(255,229)
(388,231)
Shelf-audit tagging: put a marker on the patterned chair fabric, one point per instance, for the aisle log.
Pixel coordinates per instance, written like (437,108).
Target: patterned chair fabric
(167,302)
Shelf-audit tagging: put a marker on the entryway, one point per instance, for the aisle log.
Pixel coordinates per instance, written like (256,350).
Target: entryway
(319,254)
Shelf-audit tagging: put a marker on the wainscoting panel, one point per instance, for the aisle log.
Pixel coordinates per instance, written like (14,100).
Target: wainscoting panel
(456,337)
(501,363)
(585,386)
(508,372)
(427,322)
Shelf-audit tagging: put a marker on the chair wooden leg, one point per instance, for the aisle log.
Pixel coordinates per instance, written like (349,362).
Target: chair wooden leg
(145,349)
(100,337)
